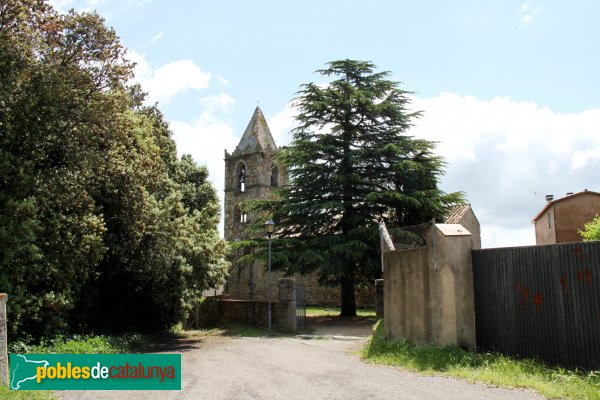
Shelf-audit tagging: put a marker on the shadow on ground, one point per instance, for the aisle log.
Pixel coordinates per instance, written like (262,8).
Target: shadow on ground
(175,345)
(340,326)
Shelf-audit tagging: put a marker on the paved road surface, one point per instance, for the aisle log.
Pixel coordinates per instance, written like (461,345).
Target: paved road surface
(289,368)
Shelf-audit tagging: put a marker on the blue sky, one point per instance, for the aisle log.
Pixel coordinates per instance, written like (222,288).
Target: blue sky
(510,89)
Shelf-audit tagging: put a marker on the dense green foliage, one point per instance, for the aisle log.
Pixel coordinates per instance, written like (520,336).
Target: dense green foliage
(351,164)
(101,226)
(490,368)
(591,230)
(82,344)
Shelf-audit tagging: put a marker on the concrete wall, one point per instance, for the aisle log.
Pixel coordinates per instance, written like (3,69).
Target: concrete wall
(427,301)
(545,232)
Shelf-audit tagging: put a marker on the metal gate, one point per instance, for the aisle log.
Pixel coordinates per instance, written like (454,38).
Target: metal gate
(300,307)
(540,301)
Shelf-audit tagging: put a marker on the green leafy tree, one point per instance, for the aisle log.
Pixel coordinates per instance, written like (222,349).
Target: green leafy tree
(56,75)
(101,226)
(591,230)
(351,163)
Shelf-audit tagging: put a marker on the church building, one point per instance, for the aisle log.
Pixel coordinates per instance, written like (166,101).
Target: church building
(250,173)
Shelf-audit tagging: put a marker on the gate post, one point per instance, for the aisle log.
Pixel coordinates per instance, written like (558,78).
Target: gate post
(286,308)
(379,298)
(3,341)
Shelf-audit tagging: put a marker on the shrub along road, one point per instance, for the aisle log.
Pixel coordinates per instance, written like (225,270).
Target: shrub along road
(217,367)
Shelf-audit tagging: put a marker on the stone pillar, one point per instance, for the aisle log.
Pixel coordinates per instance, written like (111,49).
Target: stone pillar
(285,320)
(379,298)
(3,341)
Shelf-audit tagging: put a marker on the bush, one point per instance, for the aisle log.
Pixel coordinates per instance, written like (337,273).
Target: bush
(591,230)
(81,344)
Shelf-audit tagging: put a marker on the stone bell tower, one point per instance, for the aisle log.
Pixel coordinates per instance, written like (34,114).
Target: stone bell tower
(249,173)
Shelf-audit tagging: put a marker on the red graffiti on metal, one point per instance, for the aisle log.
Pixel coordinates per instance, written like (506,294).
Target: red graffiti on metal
(563,283)
(578,253)
(537,300)
(579,276)
(588,276)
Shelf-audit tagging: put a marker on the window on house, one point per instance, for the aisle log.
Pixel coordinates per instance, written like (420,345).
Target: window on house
(274,176)
(549,219)
(243,218)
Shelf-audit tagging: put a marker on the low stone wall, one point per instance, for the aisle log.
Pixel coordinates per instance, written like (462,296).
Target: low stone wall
(250,282)
(218,310)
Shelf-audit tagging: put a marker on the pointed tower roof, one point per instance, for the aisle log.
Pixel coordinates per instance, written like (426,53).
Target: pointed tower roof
(256,137)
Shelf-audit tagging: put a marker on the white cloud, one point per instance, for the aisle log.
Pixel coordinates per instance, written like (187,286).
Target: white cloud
(206,139)
(528,12)
(281,124)
(223,80)
(498,236)
(156,37)
(220,102)
(61,5)
(507,155)
(582,158)
(165,82)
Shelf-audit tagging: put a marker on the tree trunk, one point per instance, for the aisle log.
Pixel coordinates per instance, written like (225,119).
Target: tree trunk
(348,300)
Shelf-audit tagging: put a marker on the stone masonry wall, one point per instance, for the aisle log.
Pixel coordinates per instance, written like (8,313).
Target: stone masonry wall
(257,186)
(214,311)
(251,282)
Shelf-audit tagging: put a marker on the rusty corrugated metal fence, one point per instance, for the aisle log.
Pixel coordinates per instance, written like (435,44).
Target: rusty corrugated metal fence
(540,301)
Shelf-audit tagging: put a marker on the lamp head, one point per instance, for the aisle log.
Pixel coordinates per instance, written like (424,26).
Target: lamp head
(270,226)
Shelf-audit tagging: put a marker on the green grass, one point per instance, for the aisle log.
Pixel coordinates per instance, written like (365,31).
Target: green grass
(495,369)
(6,394)
(244,331)
(335,311)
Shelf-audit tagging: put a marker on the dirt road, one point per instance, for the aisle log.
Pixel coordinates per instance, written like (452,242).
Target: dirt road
(291,368)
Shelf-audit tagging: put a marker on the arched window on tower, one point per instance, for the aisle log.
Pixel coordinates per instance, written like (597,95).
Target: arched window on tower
(239,216)
(241,177)
(274,176)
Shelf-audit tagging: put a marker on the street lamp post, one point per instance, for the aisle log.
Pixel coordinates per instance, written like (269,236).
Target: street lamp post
(270,227)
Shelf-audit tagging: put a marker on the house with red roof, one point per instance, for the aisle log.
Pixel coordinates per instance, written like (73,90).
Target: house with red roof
(560,220)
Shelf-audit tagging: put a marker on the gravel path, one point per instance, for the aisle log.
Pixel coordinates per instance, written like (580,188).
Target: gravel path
(290,368)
